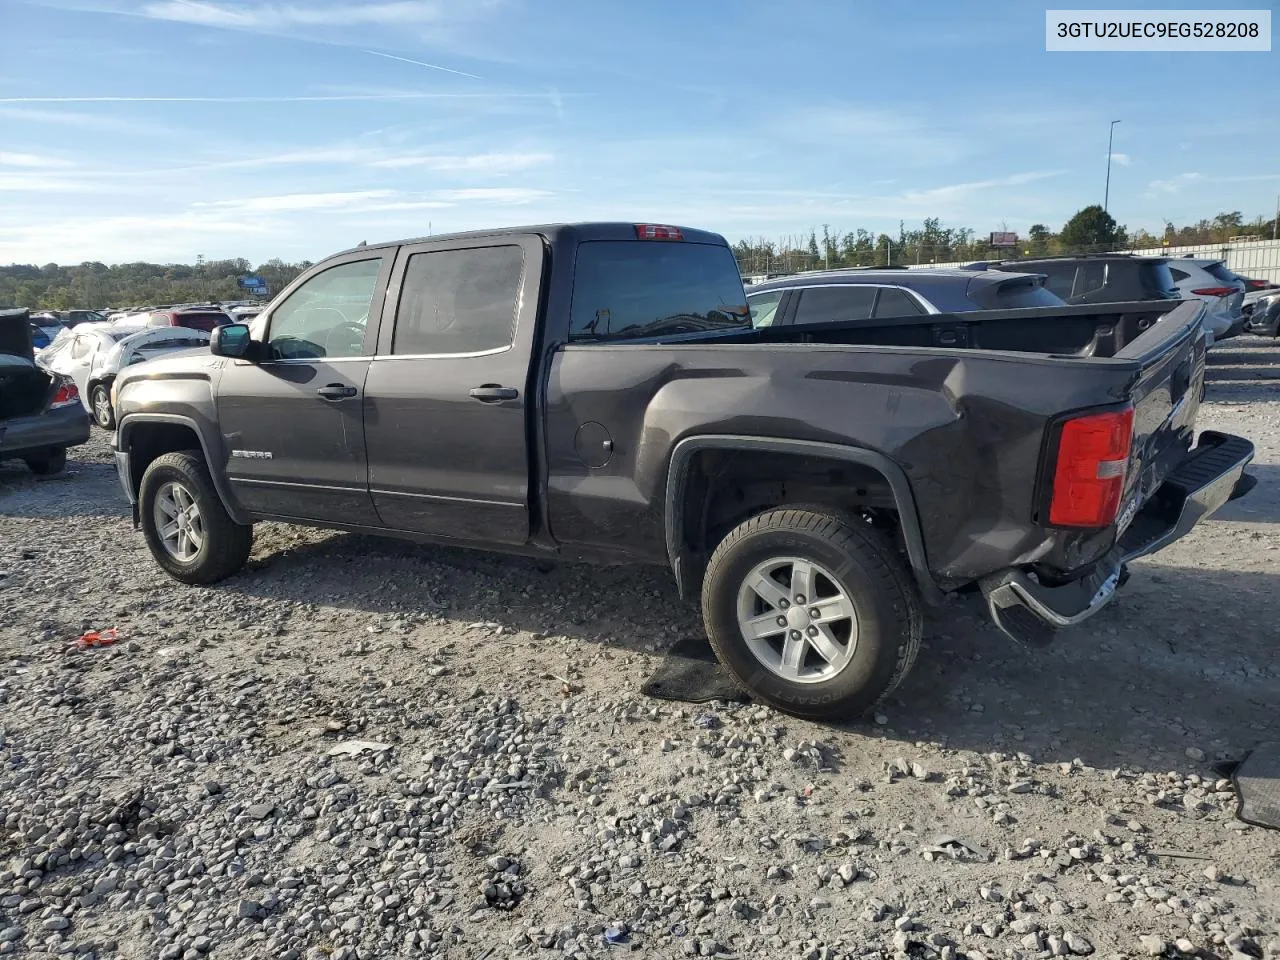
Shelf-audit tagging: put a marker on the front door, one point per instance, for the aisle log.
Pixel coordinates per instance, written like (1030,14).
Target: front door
(446,408)
(292,424)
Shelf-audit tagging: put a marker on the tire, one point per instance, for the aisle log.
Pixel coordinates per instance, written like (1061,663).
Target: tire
(100,406)
(51,463)
(847,557)
(181,480)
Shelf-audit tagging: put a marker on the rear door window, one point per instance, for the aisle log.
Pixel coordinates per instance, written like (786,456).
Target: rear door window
(459,301)
(897,303)
(836,304)
(626,289)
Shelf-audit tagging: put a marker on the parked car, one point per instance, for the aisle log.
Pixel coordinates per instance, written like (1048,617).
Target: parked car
(94,357)
(194,318)
(1254,285)
(43,330)
(40,411)
(1220,289)
(1265,318)
(598,392)
(837,295)
(1251,297)
(1099,278)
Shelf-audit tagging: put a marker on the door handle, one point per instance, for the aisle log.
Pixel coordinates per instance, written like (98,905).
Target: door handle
(492,393)
(336,391)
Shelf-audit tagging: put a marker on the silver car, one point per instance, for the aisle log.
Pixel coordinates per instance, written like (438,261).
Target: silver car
(1220,289)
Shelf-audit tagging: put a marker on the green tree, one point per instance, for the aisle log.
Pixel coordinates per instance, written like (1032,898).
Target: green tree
(1092,229)
(1038,240)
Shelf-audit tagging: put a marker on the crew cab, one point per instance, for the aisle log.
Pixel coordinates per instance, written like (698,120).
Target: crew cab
(597,392)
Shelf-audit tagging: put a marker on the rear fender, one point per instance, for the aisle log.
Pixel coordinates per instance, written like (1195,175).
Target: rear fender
(681,557)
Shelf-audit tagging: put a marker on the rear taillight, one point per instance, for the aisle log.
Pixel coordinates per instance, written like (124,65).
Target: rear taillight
(656,231)
(65,395)
(1093,458)
(1215,291)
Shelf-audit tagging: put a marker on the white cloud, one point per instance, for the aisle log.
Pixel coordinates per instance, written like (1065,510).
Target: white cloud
(277,16)
(959,191)
(1158,188)
(513,195)
(32,160)
(163,237)
(1123,159)
(870,131)
(490,163)
(39,183)
(297,201)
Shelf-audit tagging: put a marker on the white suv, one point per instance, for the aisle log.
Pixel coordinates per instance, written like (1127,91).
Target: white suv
(1220,289)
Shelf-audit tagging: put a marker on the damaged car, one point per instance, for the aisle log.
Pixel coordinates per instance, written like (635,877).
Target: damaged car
(93,354)
(40,411)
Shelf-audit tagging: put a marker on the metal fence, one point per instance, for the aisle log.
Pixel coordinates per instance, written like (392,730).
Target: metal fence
(1249,258)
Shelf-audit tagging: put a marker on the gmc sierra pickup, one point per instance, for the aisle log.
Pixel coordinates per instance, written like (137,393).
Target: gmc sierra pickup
(597,392)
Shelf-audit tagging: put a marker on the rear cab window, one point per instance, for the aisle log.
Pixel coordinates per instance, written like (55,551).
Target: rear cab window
(631,289)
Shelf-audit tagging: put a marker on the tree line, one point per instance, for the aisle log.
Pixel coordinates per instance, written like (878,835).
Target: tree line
(1090,230)
(93,285)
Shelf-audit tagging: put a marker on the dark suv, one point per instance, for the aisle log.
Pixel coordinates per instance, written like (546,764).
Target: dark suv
(1099,278)
(834,296)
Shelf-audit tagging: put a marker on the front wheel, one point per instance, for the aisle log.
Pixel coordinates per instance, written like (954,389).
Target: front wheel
(100,400)
(187,529)
(811,613)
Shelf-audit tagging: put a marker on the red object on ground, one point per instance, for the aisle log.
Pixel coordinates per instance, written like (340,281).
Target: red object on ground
(97,638)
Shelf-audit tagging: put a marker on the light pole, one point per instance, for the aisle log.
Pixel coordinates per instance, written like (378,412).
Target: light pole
(1106,196)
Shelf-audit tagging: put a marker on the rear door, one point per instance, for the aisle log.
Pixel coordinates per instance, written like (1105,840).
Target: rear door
(447,398)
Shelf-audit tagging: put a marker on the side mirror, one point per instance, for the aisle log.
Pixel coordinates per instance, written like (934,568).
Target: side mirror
(231,340)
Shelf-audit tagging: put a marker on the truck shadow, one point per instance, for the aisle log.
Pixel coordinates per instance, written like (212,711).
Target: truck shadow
(1259,505)
(1184,658)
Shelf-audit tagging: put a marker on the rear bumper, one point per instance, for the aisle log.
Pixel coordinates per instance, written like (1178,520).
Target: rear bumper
(60,427)
(1211,474)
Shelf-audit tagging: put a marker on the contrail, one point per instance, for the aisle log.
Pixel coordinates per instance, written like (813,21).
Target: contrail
(422,63)
(334,97)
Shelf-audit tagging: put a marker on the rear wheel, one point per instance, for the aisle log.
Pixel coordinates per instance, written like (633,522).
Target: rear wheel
(48,464)
(100,400)
(811,612)
(187,529)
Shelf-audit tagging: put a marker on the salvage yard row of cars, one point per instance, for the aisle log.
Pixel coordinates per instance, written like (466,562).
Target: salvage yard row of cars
(815,459)
(1052,281)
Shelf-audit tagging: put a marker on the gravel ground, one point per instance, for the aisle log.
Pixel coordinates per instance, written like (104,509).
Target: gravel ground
(360,748)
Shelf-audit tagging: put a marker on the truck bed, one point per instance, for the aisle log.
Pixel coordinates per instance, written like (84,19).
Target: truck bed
(1083,330)
(970,426)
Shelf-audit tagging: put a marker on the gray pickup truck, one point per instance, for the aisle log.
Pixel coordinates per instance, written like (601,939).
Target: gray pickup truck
(597,392)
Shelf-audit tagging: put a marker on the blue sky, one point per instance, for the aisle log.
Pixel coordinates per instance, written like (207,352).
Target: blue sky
(163,129)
